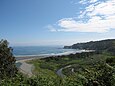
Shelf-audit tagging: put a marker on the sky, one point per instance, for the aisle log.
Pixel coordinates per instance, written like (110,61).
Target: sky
(56,22)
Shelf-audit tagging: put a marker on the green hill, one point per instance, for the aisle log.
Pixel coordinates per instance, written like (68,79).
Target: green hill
(103,45)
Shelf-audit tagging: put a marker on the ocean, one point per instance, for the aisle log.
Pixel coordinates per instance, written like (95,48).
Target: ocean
(19,51)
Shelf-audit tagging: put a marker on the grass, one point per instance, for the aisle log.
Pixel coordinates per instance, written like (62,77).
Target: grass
(51,66)
(86,70)
(42,68)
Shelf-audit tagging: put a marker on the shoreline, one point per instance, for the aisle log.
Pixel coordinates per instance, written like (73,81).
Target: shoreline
(25,58)
(31,57)
(27,68)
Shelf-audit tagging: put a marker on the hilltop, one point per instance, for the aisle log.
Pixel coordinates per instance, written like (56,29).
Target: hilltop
(102,45)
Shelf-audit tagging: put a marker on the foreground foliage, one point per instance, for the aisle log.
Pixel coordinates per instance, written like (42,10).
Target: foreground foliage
(7,61)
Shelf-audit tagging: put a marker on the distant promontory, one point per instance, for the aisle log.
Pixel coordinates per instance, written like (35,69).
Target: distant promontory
(102,45)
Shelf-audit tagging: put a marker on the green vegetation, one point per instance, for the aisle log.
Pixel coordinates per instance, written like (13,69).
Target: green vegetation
(80,69)
(94,69)
(99,46)
(7,61)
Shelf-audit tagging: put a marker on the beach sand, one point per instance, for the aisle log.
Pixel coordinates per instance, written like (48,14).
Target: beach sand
(24,67)
(28,57)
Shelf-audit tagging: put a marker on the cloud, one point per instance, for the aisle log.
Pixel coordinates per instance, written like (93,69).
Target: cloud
(51,28)
(87,1)
(96,17)
(91,26)
(104,8)
(93,1)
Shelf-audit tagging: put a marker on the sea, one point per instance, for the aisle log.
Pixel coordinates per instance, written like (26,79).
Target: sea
(24,51)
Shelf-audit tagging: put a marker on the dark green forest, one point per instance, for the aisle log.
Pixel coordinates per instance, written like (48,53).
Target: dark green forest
(103,45)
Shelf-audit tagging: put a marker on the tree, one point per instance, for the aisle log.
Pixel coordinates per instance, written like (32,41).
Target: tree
(7,60)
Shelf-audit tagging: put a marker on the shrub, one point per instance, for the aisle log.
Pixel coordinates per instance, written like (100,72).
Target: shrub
(7,60)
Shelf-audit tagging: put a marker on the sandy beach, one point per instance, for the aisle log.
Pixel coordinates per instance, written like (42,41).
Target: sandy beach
(28,57)
(24,67)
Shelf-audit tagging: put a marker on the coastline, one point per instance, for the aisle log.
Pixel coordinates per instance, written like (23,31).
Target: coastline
(24,58)
(27,68)
(30,57)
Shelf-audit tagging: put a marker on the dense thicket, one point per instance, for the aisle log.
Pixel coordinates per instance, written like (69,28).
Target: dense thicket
(7,60)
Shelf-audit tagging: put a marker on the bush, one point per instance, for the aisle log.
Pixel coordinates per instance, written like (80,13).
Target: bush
(7,60)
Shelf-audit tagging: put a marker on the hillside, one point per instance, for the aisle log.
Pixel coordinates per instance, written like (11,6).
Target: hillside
(80,69)
(103,45)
